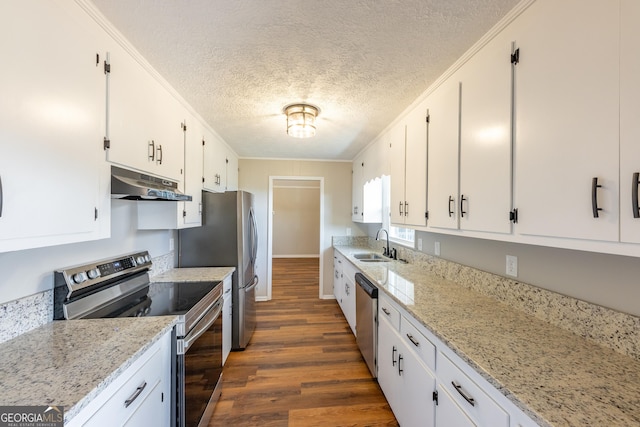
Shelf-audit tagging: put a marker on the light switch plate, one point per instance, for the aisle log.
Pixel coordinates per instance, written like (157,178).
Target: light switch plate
(171,244)
(348,231)
(419,244)
(512,266)
(437,248)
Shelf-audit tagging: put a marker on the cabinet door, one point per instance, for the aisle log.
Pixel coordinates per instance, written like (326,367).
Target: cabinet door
(152,410)
(396,170)
(168,116)
(448,413)
(51,125)
(442,180)
(566,119)
(629,126)
(485,138)
(193,170)
(415,191)
(350,303)
(356,189)
(227,320)
(232,171)
(215,166)
(417,384)
(387,364)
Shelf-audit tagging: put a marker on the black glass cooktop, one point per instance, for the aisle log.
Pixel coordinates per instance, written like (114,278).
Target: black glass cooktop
(175,298)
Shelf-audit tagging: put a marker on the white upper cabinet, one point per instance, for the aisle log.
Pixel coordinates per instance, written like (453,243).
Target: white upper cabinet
(232,171)
(444,146)
(51,125)
(154,215)
(357,173)
(144,119)
(408,169)
(629,124)
(485,138)
(215,162)
(567,119)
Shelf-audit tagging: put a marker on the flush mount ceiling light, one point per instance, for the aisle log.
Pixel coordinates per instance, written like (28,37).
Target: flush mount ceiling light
(301,120)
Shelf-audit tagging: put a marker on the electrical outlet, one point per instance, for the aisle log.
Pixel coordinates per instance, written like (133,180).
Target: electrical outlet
(348,231)
(171,244)
(419,244)
(512,265)
(437,248)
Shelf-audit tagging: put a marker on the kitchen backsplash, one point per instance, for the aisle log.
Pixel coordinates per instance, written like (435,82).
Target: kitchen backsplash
(611,328)
(25,314)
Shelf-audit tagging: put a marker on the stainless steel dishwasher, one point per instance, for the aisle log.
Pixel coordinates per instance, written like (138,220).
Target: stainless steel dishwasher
(367,321)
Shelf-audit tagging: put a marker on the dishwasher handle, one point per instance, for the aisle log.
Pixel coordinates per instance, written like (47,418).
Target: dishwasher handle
(366,285)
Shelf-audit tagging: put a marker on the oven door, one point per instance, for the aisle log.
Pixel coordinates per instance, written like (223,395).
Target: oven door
(199,369)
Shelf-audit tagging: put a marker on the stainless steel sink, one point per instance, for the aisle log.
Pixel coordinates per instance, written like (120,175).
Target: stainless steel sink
(371,257)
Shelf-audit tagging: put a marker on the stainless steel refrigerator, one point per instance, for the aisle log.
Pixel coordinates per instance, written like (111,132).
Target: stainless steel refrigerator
(228,237)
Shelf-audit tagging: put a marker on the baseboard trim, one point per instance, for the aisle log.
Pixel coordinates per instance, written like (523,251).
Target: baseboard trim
(296,256)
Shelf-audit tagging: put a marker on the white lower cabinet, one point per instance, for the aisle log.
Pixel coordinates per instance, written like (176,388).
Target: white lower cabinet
(139,397)
(344,289)
(406,382)
(426,384)
(449,413)
(227,319)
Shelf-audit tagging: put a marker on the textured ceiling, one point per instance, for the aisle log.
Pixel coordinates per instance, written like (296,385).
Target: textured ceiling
(362,62)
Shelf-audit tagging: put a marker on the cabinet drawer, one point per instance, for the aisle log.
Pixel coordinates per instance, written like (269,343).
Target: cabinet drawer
(114,410)
(471,398)
(419,343)
(387,311)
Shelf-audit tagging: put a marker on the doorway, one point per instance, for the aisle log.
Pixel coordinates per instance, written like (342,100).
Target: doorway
(295,223)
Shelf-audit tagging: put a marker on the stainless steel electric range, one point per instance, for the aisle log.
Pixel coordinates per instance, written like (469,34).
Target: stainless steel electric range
(120,287)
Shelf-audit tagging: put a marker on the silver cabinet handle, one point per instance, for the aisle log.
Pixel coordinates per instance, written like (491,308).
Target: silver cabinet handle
(466,396)
(135,395)
(413,340)
(385,311)
(159,150)
(151,153)
(393,355)
(634,195)
(400,370)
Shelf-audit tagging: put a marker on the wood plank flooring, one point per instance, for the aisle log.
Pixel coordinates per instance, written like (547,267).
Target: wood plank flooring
(302,366)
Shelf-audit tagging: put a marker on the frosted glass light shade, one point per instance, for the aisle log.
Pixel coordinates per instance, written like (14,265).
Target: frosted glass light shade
(301,120)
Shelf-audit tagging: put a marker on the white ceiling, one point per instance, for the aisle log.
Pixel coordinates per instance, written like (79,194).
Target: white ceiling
(362,62)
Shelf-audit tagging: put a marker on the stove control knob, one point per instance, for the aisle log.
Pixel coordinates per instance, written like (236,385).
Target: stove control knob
(140,260)
(80,277)
(147,258)
(93,273)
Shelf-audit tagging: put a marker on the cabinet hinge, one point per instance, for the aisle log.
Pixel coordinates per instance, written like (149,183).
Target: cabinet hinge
(162,397)
(513,216)
(184,214)
(106,143)
(107,68)
(226,161)
(435,396)
(427,118)
(97,59)
(203,142)
(515,56)
(183,126)
(203,179)
(426,215)
(95,214)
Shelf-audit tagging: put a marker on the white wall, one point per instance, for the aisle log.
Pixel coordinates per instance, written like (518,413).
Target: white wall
(296,221)
(27,272)
(254,177)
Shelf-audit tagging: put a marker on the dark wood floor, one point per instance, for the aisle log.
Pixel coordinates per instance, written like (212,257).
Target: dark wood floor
(302,366)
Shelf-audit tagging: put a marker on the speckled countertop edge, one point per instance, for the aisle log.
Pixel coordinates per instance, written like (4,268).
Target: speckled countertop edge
(68,363)
(194,274)
(556,377)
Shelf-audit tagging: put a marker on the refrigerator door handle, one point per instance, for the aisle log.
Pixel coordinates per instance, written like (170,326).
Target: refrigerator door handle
(254,236)
(253,284)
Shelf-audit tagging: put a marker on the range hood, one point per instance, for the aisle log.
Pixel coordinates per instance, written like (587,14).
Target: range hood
(130,185)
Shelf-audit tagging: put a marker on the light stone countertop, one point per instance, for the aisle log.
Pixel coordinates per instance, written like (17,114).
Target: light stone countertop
(556,377)
(69,362)
(194,274)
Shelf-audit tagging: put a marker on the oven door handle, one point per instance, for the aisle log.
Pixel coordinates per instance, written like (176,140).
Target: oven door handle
(203,326)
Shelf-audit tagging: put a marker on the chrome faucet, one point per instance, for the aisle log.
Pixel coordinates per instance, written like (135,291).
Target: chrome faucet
(386,251)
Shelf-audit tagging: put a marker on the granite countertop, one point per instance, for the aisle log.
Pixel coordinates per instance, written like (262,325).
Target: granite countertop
(69,362)
(194,274)
(555,376)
